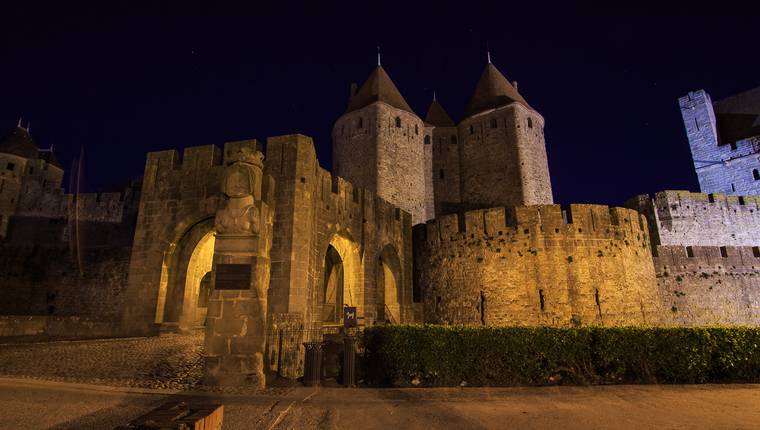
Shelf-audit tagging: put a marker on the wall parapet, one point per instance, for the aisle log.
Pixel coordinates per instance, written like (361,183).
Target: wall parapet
(193,157)
(579,221)
(678,217)
(675,258)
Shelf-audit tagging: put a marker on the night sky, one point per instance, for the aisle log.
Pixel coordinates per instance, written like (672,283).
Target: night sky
(121,81)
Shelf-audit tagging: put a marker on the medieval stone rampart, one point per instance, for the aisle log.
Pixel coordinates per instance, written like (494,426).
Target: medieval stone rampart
(708,285)
(696,219)
(180,197)
(316,210)
(535,265)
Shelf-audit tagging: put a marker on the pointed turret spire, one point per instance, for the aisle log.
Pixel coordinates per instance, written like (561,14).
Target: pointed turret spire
(378,88)
(19,142)
(19,122)
(378,54)
(437,115)
(493,90)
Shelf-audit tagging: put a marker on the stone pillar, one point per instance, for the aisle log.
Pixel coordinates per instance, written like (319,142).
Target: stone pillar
(237,311)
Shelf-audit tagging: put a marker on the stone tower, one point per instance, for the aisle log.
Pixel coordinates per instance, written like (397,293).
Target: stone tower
(441,141)
(378,145)
(503,155)
(724,137)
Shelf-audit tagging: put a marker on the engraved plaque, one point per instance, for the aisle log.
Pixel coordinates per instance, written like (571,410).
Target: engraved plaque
(233,277)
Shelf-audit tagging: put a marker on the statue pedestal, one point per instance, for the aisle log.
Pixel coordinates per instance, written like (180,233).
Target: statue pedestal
(236,320)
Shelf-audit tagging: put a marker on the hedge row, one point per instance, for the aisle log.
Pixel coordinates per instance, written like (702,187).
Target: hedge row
(490,356)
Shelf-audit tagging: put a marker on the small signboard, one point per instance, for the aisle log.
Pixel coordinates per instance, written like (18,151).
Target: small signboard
(233,277)
(349,316)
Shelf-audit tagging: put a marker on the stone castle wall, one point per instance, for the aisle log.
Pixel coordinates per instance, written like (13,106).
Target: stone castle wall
(706,256)
(179,201)
(67,255)
(532,266)
(372,152)
(315,210)
(707,285)
(52,267)
(696,219)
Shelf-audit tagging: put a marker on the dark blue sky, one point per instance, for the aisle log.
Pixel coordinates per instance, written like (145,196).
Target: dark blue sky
(121,81)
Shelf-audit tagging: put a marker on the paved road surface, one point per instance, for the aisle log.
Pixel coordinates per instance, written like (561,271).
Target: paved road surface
(41,405)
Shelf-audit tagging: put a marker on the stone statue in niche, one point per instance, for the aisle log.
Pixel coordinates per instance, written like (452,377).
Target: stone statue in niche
(240,213)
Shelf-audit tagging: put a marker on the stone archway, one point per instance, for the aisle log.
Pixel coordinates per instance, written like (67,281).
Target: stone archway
(333,286)
(198,267)
(341,282)
(389,282)
(186,264)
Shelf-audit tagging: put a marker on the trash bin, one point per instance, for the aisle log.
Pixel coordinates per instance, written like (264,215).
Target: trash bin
(312,366)
(349,361)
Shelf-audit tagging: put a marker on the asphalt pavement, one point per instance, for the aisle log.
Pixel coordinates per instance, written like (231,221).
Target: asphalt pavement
(32,404)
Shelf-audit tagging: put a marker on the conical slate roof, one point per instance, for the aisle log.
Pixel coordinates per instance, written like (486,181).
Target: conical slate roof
(493,90)
(437,115)
(378,88)
(19,142)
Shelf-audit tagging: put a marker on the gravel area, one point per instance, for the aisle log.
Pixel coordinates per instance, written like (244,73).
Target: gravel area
(170,361)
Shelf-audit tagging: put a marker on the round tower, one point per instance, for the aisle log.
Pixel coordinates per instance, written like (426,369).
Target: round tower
(378,145)
(503,153)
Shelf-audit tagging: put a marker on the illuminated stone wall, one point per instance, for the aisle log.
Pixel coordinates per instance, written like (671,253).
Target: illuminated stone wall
(704,285)
(445,171)
(529,266)
(382,157)
(315,210)
(696,219)
(706,256)
(178,202)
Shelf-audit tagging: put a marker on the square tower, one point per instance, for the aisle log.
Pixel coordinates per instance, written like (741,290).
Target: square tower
(724,138)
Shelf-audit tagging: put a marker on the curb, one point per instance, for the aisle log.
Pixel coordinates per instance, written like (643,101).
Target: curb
(41,383)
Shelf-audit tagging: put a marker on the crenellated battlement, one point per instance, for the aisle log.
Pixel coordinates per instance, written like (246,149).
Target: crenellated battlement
(706,258)
(539,265)
(292,161)
(338,195)
(683,197)
(193,157)
(699,219)
(104,207)
(580,221)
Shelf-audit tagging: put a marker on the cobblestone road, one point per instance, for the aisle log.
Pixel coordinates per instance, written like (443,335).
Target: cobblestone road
(170,361)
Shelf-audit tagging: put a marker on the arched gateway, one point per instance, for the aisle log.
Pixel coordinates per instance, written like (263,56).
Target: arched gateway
(331,245)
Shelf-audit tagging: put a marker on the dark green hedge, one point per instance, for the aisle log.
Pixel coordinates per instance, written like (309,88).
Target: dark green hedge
(485,356)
